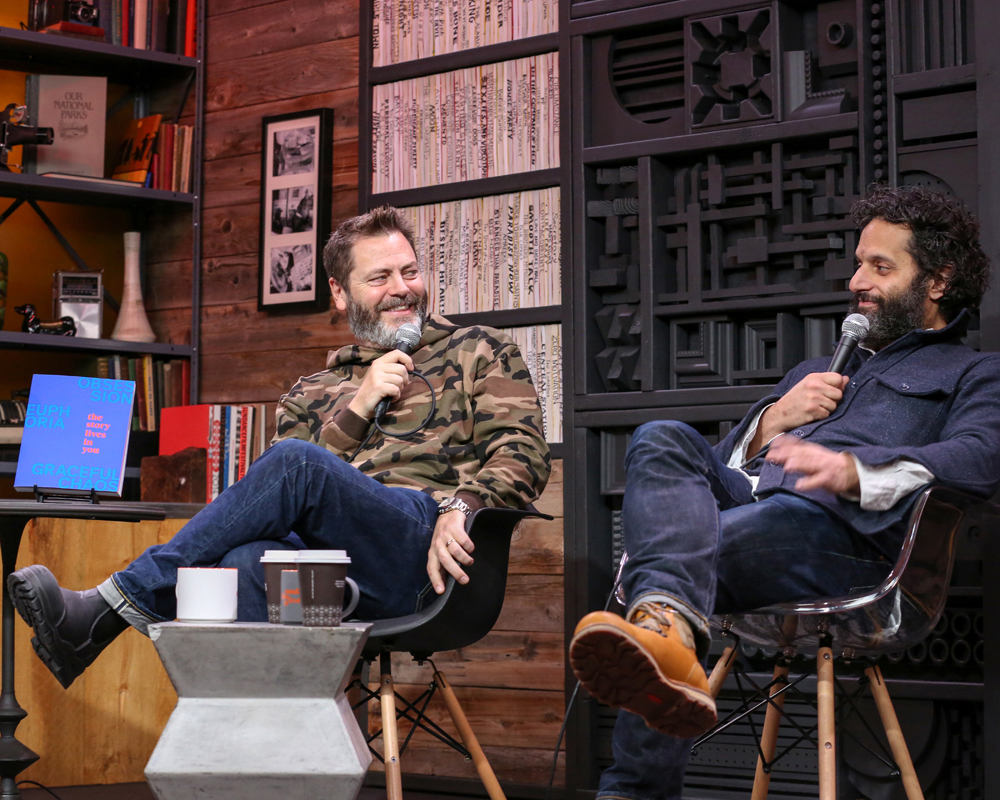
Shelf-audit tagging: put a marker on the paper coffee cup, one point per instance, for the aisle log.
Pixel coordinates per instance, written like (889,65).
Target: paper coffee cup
(274,562)
(206,594)
(322,576)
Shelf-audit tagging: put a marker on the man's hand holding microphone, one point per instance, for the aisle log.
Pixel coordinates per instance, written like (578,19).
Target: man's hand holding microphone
(384,382)
(813,398)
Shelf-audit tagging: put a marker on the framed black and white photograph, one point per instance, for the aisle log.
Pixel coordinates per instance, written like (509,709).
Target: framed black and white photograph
(296,184)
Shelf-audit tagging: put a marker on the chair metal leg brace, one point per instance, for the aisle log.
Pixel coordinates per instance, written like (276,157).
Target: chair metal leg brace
(769,738)
(390,741)
(469,739)
(827,724)
(897,743)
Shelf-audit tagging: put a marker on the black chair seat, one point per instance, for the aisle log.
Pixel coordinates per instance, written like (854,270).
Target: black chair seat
(463,614)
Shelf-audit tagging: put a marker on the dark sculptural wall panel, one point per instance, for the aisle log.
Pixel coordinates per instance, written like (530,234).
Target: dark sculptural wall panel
(718,148)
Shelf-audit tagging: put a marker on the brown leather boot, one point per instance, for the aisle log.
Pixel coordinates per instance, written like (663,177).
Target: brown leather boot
(646,665)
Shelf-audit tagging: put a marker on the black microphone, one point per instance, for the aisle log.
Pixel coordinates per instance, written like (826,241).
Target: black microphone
(407,339)
(852,333)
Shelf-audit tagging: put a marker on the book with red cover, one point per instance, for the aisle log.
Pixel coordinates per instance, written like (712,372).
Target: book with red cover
(76,29)
(190,45)
(192,426)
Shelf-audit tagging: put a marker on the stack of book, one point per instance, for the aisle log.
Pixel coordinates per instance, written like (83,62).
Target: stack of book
(422,28)
(156,155)
(495,119)
(490,253)
(170,167)
(159,384)
(233,435)
(541,348)
(169,26)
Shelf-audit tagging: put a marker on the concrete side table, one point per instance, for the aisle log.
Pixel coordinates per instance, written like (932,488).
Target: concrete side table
(261,713)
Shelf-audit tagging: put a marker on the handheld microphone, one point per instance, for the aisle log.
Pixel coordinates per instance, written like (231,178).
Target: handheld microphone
(407,339)
(852,332)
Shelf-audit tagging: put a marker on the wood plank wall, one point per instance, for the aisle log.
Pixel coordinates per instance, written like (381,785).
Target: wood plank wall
(264,58)
(268,57)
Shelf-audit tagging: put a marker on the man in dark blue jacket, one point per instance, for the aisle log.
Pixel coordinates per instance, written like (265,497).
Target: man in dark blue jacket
(822,510)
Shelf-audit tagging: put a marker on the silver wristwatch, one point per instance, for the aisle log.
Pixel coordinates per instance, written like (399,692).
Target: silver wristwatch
(453,504)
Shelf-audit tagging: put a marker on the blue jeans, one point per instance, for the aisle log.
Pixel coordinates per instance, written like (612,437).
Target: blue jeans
(294,485)
(698,541)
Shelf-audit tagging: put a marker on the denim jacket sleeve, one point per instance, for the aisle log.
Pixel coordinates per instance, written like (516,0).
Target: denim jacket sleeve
(967,453)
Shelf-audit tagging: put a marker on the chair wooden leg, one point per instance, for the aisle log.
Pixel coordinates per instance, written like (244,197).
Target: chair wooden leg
(390,740)
(721,671)
(469,739)
(769,736)
(900,752)
(827,724)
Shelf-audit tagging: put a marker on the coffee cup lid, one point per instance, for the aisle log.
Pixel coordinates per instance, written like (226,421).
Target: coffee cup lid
(278,556)
(322,556)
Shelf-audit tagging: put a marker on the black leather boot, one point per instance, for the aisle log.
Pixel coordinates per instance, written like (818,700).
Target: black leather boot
(71,628)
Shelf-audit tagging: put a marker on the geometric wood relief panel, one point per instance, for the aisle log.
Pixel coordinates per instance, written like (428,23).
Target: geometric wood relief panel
(770,221)
(614,277)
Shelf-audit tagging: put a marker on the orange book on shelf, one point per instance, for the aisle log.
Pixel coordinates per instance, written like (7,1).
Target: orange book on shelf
(136,150)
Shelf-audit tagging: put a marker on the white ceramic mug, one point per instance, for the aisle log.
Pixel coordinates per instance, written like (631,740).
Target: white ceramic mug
(206,594)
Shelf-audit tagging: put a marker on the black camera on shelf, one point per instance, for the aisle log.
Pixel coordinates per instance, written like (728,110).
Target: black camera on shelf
(13,132)
(81,11)
(43,13)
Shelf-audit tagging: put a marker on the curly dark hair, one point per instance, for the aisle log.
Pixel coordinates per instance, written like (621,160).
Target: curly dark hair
(944,233)
(338,255)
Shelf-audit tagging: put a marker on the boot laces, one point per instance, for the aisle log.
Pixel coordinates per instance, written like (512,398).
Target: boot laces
(660,618)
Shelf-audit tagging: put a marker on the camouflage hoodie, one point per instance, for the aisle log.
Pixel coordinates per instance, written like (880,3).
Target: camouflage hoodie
(484,444)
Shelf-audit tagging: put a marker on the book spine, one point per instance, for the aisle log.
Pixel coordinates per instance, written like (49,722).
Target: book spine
(190,43)
(140,393)
(214,451)
(148,375)
(245,440)
(178,27)
(224,445)
(185,382)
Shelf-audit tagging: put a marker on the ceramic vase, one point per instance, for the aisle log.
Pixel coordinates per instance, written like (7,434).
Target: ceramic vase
(132,325)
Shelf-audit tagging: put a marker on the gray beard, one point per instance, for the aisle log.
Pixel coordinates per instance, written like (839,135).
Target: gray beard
(895,316)
(368,326)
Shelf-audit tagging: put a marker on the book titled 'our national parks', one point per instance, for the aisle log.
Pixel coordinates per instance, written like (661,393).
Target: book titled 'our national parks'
(74,107)
(75,435)
(136,151)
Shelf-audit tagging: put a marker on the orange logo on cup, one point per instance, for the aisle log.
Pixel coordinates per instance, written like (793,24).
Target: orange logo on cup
(291,597)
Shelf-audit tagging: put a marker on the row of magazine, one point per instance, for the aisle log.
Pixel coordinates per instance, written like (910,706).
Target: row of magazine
(159,384)
(541,348)
(490,253)
(494,119)
(404,31)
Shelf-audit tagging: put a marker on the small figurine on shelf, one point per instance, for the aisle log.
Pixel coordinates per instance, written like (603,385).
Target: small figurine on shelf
(32,324)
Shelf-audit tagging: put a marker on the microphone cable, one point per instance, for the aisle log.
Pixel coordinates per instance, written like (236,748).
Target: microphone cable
(376,426)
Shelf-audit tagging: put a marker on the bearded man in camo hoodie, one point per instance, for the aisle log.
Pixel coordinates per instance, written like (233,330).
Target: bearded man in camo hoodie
(396,503)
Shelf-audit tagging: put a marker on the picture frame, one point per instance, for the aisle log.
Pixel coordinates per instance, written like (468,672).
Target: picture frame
(296,176)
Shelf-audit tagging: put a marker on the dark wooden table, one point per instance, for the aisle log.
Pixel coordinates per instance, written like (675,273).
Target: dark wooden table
(14,517)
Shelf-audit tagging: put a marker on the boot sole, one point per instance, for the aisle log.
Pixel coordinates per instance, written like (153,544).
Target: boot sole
(619,671)
(28,589)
